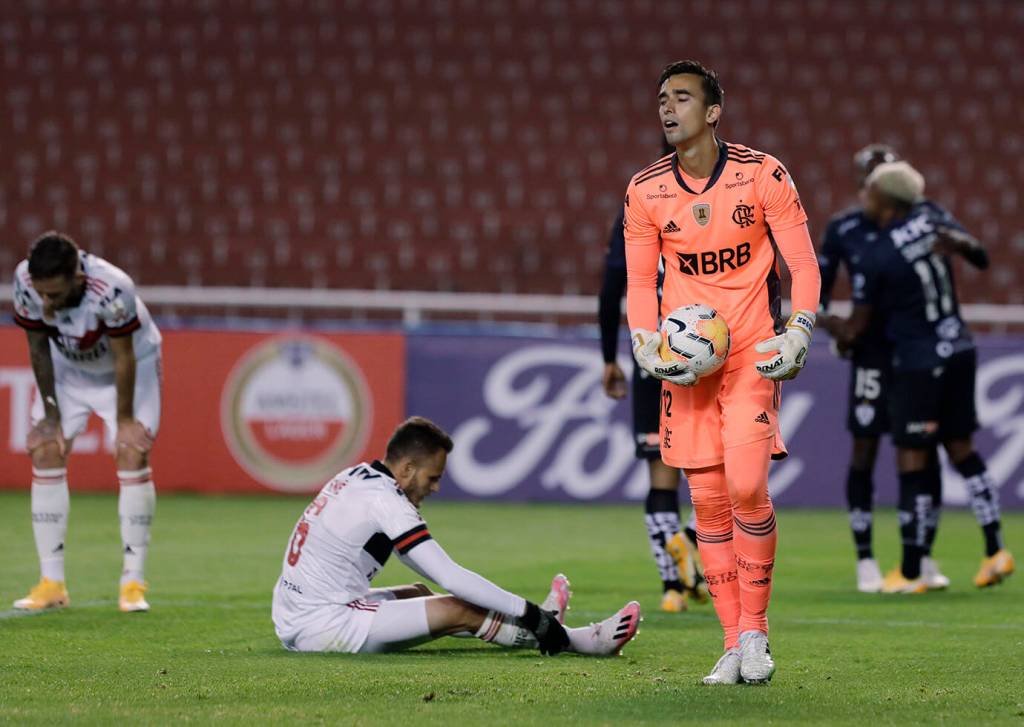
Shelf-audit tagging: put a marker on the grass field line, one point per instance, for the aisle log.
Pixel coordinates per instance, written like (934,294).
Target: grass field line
(574,615)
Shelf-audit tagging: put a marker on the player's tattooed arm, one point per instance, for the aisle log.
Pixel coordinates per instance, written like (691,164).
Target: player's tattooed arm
(124,376)
(131,434)
(42,367)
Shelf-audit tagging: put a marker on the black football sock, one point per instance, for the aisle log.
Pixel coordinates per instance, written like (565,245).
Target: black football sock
(661,515)
(931,527)
(984,500)
(915,505)
(860,489)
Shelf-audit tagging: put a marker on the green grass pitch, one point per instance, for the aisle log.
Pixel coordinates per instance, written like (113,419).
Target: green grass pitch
(207,651)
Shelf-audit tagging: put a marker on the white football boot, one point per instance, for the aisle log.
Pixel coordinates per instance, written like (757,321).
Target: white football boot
(557,600)
(606,638)
(727,669)
(869,576)
(756,664)
(932,576)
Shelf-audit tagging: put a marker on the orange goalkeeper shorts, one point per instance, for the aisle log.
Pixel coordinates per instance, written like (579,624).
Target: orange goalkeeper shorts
(733,406)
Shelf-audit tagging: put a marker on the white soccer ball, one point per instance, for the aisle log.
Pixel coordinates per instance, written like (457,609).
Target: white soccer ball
(696,335)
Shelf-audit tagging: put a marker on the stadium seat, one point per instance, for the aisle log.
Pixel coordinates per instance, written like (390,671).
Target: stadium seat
(471,147)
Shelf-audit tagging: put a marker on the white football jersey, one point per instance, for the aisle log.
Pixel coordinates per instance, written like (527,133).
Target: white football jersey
(342,541)
(79,335)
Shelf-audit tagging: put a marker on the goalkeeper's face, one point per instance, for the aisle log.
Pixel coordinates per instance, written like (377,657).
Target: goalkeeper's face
(683,110)
(421,478)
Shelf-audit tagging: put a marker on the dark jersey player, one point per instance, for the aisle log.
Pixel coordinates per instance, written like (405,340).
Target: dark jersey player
(847,236)
(674,548)
(905,279)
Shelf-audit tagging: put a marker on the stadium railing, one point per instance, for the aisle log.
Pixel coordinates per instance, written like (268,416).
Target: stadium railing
(415,307)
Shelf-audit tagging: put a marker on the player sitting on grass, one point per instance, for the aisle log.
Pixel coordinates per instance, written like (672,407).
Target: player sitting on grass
(323,600)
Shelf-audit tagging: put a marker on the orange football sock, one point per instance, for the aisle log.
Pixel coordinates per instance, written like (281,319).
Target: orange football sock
(754,533)
(713,509)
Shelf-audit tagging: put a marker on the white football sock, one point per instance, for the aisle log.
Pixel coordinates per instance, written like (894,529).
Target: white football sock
(505,631)
(583,641)
(50,507)
(135,508)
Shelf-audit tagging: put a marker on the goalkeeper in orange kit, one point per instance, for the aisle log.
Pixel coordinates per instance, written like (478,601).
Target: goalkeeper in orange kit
(717,213)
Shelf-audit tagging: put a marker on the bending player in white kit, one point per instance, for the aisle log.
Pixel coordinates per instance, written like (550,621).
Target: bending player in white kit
(93,348)
(323,600)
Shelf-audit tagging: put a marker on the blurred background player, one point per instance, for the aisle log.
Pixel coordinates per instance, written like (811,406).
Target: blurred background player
(906,279)
(846,237)
(94,349)
(323,600)
(716,213)
(674,549)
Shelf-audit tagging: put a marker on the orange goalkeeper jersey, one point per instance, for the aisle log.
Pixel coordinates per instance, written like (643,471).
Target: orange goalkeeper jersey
(717,238)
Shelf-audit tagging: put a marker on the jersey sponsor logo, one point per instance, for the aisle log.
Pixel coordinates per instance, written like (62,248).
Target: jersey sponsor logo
(762,418)
(702,213)
(662,195)
(670,227)
(743,183)
(743,215)
(714,261)
(294,411)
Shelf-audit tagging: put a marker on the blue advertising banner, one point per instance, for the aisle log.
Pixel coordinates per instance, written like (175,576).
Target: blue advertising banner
(531,422)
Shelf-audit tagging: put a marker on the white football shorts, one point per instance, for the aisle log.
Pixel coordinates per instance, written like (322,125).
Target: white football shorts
(80,394)
(372,624)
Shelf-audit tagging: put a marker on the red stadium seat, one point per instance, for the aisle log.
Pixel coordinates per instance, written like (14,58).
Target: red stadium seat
(479,146)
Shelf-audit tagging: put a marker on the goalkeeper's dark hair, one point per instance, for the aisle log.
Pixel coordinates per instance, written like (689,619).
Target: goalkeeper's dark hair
(415,438)
(52,255)
(713,93)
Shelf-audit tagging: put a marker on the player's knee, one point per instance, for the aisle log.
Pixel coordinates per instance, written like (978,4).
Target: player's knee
(749,496)
(959,449)
(910,459)
(713,511)
(48,456)
(131,459)
(865,450)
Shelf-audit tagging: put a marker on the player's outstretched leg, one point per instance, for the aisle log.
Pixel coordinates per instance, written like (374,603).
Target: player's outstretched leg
(135,506)
(755,540)
(50,508)
(606,638)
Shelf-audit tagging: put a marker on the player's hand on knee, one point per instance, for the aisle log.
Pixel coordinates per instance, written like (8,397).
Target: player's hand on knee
(133,435)
(46,431)
(551,636)
(792,348)
(646,345)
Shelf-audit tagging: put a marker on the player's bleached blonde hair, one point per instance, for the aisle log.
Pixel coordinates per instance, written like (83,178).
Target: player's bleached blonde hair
(897,180)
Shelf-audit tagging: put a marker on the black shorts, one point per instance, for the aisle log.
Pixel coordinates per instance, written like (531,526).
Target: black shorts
(934,405)
(868,395)
(646,414)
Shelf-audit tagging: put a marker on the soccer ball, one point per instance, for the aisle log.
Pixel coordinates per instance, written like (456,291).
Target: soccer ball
(697,335)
